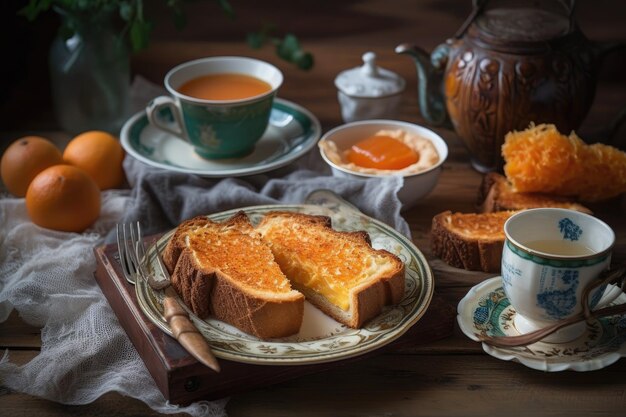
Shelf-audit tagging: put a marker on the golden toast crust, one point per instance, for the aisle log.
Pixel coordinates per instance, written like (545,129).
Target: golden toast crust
(209,290)
(469,240)
(496,193)
(292,235)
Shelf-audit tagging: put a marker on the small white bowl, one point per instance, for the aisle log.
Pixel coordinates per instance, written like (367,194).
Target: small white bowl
(416,185)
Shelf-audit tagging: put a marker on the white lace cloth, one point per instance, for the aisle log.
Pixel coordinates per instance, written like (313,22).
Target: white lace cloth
(47,277)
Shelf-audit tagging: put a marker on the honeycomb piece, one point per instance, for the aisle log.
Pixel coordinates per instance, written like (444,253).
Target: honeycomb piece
(540,159)
(604,175)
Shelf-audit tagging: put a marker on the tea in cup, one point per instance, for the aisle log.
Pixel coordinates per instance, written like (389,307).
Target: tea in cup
(220,105)
(550,256)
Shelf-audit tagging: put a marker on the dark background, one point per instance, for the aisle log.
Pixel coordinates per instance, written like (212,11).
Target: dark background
(25,102)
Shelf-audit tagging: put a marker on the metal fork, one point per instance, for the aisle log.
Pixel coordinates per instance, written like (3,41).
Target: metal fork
(126,234)
(133,251)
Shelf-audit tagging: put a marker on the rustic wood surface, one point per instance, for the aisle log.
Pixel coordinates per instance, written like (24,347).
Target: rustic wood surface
(172,367)
(448,377)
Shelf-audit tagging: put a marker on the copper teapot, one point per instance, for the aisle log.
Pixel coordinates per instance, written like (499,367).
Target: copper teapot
(510,64)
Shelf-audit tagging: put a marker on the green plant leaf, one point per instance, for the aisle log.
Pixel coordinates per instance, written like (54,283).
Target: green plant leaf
(34,8)
(287,47)
(140,34)
(83,4)
(255,40)
(137,29)
(304,60)
(178,11)
(227,8)
(126,11)
(180,20)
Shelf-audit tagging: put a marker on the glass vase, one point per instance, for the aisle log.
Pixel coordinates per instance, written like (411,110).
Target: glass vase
(90,73)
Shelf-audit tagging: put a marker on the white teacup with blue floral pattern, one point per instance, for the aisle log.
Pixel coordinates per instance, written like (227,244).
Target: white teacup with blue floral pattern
(217,129)
(550,255)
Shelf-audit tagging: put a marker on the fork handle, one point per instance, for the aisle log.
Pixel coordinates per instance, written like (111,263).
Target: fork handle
(185,332)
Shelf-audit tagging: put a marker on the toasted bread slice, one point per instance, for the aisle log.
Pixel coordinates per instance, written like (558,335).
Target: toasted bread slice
(497,194)
(225,270)
(469,240)
(339,272)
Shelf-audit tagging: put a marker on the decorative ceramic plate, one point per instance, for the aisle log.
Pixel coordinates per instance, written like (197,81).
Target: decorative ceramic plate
(292,132)
(321,339)
(486,310)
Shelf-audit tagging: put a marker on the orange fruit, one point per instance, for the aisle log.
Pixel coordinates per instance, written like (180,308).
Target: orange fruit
(100,154)
(24,159)
(63,197)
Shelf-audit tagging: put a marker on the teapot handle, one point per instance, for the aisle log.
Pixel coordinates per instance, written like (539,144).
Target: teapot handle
(572,11)
(476,10)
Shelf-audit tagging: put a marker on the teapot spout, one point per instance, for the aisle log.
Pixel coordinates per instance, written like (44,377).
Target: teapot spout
(429,81)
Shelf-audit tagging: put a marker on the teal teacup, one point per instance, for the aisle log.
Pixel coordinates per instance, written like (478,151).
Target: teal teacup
(220,126)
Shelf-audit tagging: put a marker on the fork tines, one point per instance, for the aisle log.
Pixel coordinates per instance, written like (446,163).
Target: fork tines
(127,235)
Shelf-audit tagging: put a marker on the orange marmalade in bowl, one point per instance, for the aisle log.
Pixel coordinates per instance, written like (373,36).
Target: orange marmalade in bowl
(385,152)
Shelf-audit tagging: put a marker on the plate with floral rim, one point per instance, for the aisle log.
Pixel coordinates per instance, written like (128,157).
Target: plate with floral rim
(292,132)
(321,339)
(486,310)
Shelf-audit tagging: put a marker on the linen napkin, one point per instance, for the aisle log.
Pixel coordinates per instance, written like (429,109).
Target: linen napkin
(47,276)
(162,199)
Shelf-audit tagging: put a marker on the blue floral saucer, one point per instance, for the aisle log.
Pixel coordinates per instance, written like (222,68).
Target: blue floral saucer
(485,310)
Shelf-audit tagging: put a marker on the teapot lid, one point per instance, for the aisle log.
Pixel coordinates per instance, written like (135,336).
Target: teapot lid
(513,24)
(369,80)
(523,24)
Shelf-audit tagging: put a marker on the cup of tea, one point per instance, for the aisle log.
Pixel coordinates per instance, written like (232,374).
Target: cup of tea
(550,256)
(220,105)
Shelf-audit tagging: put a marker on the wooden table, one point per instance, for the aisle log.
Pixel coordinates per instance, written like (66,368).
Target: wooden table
(448,377)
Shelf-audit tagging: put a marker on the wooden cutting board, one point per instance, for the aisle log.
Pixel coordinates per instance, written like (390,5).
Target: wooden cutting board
(183,380)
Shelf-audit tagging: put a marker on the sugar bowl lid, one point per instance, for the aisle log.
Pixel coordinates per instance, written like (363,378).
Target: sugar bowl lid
(369,80)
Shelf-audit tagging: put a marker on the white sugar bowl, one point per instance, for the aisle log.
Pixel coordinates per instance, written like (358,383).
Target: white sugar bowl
(369,92)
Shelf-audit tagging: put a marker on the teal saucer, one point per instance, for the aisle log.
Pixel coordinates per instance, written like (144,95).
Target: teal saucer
(486,310)
(292,132)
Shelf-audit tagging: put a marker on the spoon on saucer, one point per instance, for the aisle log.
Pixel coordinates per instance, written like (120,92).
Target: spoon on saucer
(529,338)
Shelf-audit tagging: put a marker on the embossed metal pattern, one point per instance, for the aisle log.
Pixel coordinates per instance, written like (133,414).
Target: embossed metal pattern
(490,93)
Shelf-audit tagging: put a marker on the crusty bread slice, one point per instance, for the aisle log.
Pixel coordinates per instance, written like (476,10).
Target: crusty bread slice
(225,270)
(469,240)
(339,272)
(496,193)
